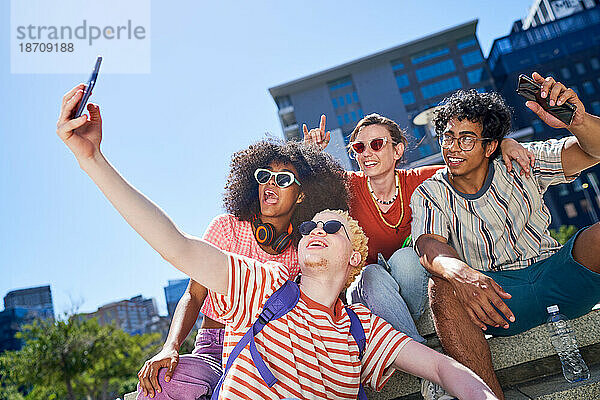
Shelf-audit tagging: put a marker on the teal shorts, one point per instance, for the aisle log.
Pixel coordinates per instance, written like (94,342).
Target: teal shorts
(558,279)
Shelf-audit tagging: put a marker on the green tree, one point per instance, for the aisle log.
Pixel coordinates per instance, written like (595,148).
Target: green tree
(188,344)
(564,233)
(75,358)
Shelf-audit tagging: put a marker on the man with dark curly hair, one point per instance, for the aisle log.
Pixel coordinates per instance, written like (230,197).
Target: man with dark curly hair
(482,232)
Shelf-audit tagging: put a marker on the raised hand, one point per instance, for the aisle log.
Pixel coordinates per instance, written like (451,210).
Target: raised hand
(477,292)
(558,94)
(81,135)
(514,151)
(317,136)
(148,375)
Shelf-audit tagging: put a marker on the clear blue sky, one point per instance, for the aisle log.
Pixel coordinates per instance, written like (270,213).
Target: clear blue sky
(172,132)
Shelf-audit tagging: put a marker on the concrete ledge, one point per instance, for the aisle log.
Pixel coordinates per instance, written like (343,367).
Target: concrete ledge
(590,392)
(516,359)
(557,388)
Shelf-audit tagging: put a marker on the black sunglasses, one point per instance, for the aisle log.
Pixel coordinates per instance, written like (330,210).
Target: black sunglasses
(329,227)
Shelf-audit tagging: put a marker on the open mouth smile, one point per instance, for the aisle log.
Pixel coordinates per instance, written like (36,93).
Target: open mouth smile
(270,197)
(316,243)
(454,161)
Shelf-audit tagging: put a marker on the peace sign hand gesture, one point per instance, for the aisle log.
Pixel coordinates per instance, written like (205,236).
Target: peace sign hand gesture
(317,136)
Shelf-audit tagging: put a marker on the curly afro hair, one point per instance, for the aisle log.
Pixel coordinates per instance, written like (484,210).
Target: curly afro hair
(489,109)
(324,181)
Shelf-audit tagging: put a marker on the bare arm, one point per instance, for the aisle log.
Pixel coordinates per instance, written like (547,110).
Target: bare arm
(514,151)
(199,260)
(457,379)
(583,150)
(476,291)
(186,313)
(184,317)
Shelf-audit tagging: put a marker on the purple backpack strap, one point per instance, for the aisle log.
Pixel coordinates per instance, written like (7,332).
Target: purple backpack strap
(358,333)
(276,306)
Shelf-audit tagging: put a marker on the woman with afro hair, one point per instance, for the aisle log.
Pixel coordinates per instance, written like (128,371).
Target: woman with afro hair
(272,187)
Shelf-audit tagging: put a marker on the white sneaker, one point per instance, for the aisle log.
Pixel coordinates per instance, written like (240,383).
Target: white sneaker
(433,391)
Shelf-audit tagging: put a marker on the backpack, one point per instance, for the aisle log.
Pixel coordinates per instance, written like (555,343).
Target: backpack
(276,306)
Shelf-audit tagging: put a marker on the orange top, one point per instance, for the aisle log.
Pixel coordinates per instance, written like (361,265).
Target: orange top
(382,238)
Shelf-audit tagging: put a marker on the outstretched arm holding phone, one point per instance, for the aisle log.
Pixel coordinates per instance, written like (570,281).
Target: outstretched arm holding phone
(201,261)
(583,149)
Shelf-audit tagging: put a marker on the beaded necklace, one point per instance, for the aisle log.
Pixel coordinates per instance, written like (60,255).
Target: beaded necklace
(376,200)
(384,202)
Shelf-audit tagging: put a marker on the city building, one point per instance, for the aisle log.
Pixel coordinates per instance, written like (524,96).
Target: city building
(130,315)
(37,300)
(158,324)
(11,322)
(544,11)
(398,83)
(22,307)
(567,49)
(173,293)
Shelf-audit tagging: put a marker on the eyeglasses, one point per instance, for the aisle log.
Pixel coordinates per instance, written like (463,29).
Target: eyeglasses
(466,143)
(330,227)
(375,145)
(283,179)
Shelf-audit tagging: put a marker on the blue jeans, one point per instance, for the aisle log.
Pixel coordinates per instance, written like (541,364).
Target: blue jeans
(398,296)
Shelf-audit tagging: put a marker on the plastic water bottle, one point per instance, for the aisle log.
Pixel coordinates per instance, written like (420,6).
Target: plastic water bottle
(563,340)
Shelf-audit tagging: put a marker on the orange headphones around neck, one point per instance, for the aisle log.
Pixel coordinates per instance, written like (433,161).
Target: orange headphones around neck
(264,233)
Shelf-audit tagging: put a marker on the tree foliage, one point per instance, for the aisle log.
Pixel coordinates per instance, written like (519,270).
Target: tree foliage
(188,344)
(74,359)
(564,233)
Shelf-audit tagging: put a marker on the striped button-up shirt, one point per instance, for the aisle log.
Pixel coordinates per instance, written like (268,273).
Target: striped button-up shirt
(505,224)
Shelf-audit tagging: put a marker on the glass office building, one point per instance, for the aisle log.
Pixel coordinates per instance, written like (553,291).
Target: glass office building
(567,49)
(22,307)
(398,83)
(173,293)
(544,11)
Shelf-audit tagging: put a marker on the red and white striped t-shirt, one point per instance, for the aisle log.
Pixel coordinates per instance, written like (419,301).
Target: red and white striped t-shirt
(232,235)
(309,350)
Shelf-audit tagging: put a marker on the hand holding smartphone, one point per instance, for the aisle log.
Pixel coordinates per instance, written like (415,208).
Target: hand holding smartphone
(88,88)
(531,90)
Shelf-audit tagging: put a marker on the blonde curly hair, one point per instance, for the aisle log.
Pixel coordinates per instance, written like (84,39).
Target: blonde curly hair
(359,243)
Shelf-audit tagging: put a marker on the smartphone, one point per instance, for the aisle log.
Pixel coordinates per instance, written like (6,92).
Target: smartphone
(87,92)
(531,90)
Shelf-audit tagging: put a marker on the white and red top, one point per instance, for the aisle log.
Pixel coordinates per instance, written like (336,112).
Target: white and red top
(232,235)
(310,350)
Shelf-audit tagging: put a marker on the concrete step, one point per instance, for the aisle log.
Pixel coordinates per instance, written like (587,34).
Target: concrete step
(557,388)
(517,359)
